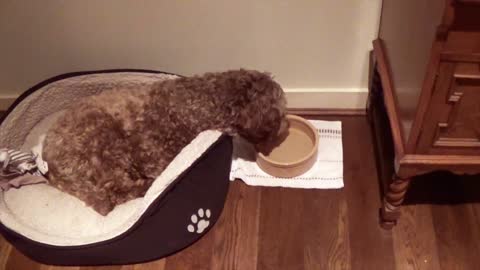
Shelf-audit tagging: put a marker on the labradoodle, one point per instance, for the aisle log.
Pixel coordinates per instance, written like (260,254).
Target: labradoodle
(109,148)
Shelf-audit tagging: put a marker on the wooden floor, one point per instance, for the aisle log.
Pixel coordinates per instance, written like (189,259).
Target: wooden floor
(277,228)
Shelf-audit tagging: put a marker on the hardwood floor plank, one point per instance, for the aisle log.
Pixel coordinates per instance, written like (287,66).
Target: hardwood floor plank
(108,267)
(16,260)
(339,255)
(53,267)
(371,246)
(455,219)
(5,249)
(281,239)
(414,240)
(155,265)
(457,234)
(236,232)
(325,229)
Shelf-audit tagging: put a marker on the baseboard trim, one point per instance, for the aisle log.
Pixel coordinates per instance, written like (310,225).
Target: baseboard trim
(327,112)
(301,101)
(327,99)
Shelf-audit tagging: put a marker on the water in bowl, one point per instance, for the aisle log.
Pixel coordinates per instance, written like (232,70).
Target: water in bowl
(296,146)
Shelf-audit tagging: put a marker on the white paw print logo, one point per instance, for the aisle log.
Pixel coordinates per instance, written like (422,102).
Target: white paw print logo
(200,221)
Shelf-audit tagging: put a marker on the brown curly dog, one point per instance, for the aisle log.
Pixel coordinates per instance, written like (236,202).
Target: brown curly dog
(109,148)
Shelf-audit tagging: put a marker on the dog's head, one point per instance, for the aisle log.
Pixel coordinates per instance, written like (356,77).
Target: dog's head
(257,104)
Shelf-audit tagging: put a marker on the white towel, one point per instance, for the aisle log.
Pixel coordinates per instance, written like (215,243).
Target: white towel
(327,172)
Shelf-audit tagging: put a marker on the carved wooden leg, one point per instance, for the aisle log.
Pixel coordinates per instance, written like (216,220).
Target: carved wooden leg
(390,212)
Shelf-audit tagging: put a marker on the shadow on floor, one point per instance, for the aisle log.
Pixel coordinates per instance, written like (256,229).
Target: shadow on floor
(444,188)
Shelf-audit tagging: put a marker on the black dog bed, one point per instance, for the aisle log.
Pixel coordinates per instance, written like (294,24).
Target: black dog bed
(53,227)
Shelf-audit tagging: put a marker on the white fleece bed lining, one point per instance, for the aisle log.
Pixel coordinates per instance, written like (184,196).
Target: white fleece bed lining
(46,215)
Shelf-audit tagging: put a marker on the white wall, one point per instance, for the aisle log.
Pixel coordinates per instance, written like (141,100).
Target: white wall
(311,46)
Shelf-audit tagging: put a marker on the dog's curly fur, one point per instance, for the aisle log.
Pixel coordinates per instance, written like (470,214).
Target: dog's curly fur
(109,148)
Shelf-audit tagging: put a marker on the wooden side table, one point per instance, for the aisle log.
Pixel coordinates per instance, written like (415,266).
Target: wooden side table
(424,102)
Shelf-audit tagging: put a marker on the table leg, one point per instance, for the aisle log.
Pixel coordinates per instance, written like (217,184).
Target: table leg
(390,212)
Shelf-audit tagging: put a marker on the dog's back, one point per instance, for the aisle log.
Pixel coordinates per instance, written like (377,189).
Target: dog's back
(89,152)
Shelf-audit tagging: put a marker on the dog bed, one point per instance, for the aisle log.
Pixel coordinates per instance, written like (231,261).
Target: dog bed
(53,227)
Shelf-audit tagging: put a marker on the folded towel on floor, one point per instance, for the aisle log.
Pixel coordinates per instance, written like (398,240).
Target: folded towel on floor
(327,172)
